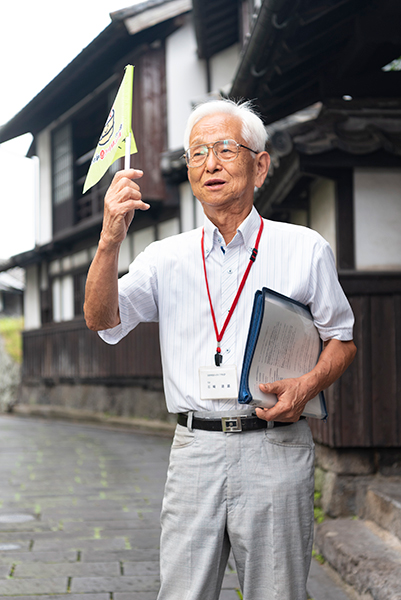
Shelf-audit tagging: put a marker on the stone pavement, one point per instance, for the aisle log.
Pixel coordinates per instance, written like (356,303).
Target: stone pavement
(79,514)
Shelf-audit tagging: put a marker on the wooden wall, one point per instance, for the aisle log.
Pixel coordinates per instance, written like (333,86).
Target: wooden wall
(70,352)
(365,404)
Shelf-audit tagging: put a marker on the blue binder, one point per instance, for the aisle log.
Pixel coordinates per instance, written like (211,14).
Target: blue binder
(316,407)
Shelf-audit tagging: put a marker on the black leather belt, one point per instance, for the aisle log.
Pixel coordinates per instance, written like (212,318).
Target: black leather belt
(230,424)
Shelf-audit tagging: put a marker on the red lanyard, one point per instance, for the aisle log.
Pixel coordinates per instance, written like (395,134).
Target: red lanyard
(219,336)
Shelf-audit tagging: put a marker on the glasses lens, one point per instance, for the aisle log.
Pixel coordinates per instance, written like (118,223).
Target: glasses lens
(196,155)
(223,149)
(226,149)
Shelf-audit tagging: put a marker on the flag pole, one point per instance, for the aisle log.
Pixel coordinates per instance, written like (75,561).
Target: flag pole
(127,159)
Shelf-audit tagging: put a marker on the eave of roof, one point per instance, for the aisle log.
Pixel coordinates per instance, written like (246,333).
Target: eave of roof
(300,53)
(148,14)
(216,25)
(353,131)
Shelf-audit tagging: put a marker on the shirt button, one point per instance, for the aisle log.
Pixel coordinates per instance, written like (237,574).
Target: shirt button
(229,271)
(228,350)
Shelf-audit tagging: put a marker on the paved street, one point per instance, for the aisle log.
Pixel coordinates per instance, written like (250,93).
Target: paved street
(79,514)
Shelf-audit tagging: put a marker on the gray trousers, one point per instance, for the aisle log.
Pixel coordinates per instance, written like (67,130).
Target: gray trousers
(251,492)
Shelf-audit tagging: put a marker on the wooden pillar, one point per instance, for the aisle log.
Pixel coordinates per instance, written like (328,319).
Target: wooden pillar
(345,220)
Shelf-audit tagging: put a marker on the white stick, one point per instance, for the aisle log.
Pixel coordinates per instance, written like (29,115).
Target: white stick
(127,159)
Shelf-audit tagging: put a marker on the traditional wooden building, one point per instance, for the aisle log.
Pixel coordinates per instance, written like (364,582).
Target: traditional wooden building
(64,363)
(326,78)
(11,293)
(321,75)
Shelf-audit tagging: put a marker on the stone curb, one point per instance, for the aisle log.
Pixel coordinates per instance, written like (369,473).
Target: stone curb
(366,557)
(76,415)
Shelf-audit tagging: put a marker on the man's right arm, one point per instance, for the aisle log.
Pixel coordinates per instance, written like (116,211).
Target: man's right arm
(101,293)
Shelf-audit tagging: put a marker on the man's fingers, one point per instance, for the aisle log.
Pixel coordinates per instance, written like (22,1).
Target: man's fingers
(128,208)
(271,414)
(271,388)
(262,413)
(128,173)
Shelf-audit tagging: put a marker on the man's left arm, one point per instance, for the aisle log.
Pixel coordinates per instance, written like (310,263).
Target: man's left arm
(293,394)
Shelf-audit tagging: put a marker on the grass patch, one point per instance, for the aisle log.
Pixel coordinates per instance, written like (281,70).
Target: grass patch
(319,514)
(10,330)
(318,511)
(319,557)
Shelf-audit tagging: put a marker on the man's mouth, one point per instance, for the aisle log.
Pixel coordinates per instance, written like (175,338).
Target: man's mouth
(214,183)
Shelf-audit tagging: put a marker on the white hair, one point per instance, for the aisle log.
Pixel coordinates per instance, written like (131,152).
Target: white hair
(253,130)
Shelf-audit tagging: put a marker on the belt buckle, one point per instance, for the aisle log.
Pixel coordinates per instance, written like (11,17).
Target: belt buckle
(231,424)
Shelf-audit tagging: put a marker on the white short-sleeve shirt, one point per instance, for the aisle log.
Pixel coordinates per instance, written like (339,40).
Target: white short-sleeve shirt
(166,284)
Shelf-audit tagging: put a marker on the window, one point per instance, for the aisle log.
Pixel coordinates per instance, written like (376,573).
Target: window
(62,165)
(63,298)
(73,145)
(63,179)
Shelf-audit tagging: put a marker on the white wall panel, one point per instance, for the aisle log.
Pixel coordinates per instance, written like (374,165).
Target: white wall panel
(44,228)
(32,298)
(186,80)
(377,205)
(323,210)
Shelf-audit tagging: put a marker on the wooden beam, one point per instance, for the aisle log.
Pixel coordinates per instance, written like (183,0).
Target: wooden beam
(345,219)
(376,84)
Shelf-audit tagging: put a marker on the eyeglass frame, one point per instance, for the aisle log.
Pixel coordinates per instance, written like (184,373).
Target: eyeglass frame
(211,147)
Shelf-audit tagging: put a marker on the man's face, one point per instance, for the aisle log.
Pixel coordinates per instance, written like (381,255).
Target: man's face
(225,185)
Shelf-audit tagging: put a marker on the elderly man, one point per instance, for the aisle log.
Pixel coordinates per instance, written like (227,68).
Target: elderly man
(252,490)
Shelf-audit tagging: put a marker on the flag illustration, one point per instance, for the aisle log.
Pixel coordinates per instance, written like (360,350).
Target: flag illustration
(115,140)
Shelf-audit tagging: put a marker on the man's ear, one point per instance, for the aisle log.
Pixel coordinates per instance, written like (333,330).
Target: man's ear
(261,168)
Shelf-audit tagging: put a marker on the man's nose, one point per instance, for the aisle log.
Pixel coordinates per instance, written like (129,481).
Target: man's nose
(212,161)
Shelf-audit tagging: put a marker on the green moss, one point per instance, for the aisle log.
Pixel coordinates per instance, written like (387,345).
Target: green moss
(319,514)
(10,330)
(319,557)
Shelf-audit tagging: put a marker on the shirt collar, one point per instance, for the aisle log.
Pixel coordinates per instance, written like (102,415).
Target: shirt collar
(246,233)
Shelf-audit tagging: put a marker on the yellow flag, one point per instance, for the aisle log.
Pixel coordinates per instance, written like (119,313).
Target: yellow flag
(118,128)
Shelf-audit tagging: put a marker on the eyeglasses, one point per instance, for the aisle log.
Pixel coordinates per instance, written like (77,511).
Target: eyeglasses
(224,150)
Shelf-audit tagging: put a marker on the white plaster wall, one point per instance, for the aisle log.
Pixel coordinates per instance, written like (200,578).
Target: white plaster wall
(55,267)
(223,66)
(199,214)
(186,80)
(66,263)
(142,239)
(125,255)
(67,298)
(323,210)
(63,298)
(56,297)
(377,217)
(187,207)
(80,258)
(36,196)
(168,228)
(43,210)
(32,298)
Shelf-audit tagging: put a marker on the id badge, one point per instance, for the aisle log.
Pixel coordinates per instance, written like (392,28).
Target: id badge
(218,383)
